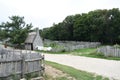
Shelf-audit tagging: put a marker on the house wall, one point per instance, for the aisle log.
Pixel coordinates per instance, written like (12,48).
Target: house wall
(28,46)
(38,40)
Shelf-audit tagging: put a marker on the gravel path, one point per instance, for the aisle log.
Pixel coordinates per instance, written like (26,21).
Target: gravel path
(108,68)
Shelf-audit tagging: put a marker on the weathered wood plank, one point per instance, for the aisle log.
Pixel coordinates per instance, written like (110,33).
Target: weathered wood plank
(16,62)
(32,60)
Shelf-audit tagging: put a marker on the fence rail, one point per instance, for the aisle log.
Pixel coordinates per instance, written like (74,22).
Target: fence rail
(20,63)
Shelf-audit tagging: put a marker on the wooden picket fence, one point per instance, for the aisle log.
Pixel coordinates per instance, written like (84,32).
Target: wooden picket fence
(20,63)
(109,51)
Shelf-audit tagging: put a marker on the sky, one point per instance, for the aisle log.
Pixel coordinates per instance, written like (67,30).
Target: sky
(43,13)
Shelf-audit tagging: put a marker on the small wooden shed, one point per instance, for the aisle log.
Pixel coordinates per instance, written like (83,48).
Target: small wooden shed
(33,39)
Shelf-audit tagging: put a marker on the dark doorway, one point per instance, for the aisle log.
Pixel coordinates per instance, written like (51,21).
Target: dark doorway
(31,46)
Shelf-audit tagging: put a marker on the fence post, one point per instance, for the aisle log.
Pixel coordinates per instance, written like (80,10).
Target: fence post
(43,64)
(41,71)
(22,66)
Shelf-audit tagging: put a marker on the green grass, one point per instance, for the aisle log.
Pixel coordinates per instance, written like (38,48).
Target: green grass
(99,55)
(52,52)
(79,52)
(61,78)
(92,52)
(87,52)
(48,77)
(77,74)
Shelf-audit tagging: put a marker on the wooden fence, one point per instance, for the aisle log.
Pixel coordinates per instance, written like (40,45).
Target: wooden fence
(109,51)
(20,63)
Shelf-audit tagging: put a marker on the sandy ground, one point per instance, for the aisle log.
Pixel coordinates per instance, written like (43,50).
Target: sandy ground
(55,73)
(107,68)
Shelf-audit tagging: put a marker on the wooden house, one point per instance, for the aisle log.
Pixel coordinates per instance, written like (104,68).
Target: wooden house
(33,39)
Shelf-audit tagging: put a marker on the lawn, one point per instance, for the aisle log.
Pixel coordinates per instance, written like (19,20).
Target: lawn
(77,74)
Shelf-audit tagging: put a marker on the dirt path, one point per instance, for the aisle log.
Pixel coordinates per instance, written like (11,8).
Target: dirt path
(108,68)
(54,73)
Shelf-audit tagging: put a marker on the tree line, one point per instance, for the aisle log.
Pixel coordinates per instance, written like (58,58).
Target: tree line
(98,26)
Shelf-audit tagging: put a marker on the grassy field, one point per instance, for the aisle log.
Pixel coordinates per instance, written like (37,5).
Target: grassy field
(77,74)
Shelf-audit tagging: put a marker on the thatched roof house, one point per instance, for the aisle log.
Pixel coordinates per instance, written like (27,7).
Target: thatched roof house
(33,39)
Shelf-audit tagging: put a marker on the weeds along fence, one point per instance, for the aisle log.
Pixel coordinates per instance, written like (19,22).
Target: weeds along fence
(109,51)
(61,46)
(18,64)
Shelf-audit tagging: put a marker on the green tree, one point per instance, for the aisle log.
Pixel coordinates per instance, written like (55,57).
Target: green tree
(16,29)
(98,25)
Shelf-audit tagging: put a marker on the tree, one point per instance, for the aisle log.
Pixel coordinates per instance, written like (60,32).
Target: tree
(98,25)
(68,24)
(16,29)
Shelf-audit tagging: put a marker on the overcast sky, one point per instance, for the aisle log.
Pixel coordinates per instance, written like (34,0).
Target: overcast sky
(43,13)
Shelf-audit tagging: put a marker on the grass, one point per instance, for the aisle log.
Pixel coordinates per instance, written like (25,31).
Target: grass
(31,75)
(79,52)
(52,52)
(61,78)
(100,55)
(47,77)
(87,52)
(77,74)
(92,52)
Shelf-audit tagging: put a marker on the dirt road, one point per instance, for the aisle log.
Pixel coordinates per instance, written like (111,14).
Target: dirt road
(108,68)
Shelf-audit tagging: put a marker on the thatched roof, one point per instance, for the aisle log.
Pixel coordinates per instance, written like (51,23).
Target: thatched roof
(31,37)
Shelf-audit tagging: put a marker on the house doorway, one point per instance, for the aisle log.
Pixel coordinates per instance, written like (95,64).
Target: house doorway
(31,46)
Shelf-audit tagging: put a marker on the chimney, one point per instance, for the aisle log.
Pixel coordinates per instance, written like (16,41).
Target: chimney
(37,31)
